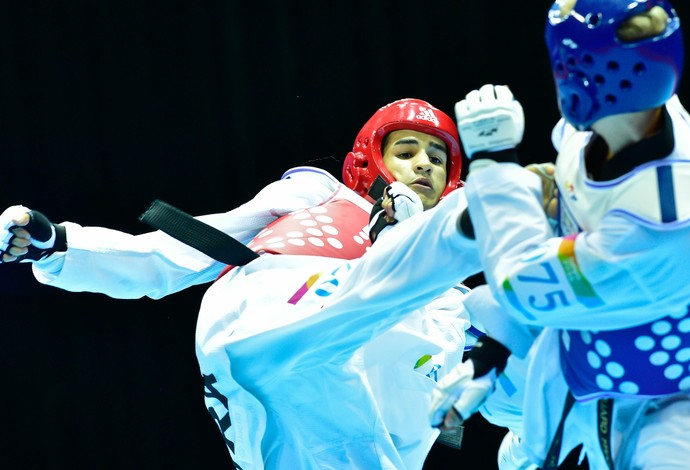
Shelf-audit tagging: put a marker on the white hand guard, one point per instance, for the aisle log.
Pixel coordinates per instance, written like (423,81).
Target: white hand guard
(460,391)
(489,119)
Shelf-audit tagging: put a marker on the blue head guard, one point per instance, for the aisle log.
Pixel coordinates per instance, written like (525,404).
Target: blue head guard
(597,74)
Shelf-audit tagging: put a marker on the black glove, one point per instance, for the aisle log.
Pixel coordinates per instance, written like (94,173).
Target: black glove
(405,204)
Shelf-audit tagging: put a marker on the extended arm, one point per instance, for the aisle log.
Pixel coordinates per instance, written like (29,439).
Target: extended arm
(153,264)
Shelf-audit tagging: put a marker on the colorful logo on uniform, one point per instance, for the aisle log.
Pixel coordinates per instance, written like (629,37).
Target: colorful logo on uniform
(570,188)
(325,286)
(304,288)
(426,366)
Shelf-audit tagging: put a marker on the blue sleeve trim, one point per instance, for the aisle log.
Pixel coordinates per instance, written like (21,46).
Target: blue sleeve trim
(667,193)
(307,169)
(476,331)
(462,288)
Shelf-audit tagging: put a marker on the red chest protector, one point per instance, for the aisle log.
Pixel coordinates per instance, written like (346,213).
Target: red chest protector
(335,229)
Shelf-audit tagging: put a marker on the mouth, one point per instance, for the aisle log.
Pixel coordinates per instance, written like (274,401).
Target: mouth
(421,184)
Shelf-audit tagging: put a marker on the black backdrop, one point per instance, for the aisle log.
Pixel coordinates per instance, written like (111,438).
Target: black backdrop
(106,105)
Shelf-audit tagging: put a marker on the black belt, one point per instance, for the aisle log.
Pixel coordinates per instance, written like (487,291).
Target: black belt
(208,240)
(604,414)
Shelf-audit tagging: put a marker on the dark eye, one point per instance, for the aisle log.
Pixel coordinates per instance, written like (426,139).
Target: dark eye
(436,160)
(404,155)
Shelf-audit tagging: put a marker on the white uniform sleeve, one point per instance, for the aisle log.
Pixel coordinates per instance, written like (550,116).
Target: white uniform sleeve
(596,280)
(482,307)
(154,264)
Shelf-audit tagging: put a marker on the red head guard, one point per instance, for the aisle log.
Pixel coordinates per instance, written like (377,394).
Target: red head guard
(364,171)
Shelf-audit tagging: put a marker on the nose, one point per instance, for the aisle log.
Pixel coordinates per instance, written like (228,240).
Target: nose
(422,163)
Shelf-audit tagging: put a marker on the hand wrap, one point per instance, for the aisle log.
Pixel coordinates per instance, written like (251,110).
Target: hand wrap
(466,387)
(405,204)
(45,237)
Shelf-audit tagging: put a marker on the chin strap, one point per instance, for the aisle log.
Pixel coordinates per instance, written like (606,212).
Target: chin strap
(377,187)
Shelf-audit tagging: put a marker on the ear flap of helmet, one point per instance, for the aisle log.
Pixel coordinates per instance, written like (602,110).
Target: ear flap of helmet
(355,172)
(357,175)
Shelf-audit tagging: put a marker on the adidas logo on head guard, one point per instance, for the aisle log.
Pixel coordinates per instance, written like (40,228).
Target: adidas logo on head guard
(427,115)
(364,165)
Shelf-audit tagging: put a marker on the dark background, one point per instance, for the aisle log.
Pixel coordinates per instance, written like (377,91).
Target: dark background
(106,105)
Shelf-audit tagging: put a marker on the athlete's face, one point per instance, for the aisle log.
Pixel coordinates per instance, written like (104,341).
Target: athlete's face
(419,161)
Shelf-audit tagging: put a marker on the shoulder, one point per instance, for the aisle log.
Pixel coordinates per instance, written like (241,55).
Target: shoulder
(656,194)
(681,124)
(309,172)
(564,134)
(675,107)
(310,180)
